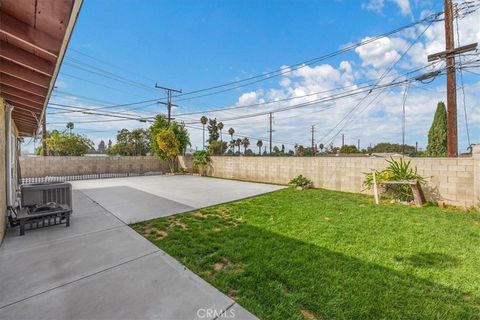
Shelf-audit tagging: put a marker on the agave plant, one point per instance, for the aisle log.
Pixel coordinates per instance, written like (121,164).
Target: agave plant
(397,170)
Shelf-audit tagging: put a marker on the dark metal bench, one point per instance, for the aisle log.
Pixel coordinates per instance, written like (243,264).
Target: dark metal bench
(27,217)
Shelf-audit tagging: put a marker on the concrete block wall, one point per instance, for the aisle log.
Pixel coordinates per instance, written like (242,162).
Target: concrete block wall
(476,170)
(449,180)
(38,166)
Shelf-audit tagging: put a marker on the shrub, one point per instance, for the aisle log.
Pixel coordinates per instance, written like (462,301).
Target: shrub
(201,159)
(301,181)
(397,170)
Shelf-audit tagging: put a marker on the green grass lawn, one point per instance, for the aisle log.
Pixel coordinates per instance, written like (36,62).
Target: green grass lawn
(319,254)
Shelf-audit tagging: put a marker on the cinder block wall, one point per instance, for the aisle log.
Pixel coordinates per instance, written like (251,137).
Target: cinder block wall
(449,180)
(38,166)
(3,192)
(476,170)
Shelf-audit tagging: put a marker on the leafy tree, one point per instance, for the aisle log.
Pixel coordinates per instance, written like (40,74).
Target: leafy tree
(70,126)
(101,147)
(220,128)
(168,146)
(259,145)
(385,147)
(249,152)
(62,144)
(216,147)
(238,143)
(161,123)
(131,143)
(245,143)
(437,135)
(231,131)
(347,149)
(203,121)
(300,151)
(212,128)
(231,144)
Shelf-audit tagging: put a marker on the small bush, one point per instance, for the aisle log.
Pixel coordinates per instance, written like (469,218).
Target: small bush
(301,181)
(200,160)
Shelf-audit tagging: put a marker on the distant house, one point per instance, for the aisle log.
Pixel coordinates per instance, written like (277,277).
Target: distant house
(33,43)
(387,154)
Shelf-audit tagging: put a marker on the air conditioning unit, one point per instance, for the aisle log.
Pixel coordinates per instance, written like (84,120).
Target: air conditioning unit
(41,193)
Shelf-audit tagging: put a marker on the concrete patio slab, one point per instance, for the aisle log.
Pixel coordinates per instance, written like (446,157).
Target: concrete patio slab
(147,288)
(83,221)
(131,205)
(194,192)
(99,268)
(42,268)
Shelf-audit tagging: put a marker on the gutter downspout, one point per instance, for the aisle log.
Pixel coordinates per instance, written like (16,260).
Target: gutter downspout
(8,151)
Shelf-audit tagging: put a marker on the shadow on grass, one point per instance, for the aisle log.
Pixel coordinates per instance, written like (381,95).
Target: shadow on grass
(434,260)
(277,277)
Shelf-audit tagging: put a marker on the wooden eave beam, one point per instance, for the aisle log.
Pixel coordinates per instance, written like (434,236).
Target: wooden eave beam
(19,30)
(23,85)
(28,108)
(25,74)
(21,94)
(26,59)
(25,102)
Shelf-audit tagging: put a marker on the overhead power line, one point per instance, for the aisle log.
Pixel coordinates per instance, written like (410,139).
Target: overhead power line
(265,76)
(345,120)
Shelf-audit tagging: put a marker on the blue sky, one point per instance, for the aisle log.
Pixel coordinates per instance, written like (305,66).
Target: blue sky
(197,44)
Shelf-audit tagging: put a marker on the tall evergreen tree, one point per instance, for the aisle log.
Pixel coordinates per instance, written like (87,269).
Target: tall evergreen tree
(212,128)
(437,135)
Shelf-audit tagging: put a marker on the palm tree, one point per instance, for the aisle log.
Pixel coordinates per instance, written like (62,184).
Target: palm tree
(220,127)
(238,143)
(259,145)
(245,143)
(203,121)
(70,126)
(231,131)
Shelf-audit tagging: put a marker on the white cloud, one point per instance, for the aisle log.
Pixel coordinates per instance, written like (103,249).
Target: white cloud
(378,5)
(379,53)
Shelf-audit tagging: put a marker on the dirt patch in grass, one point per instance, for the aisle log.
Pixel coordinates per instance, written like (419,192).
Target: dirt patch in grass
(160,234)
(232,294)
(148,229)
(201,214)
(309,315)
(178,223)
(221,264)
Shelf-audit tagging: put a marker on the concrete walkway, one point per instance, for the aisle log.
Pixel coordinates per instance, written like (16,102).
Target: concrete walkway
(99,268)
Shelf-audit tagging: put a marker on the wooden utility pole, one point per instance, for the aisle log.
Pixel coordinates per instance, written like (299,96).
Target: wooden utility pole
(343,139)
(270,130)
(169,103)
(452,135)
(449,56)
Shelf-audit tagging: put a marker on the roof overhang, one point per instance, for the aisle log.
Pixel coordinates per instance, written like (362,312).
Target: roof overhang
(34,35)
